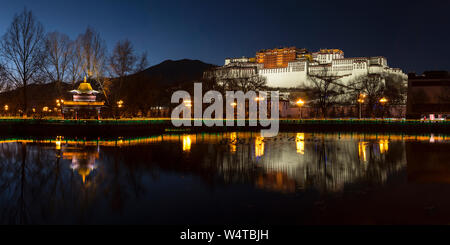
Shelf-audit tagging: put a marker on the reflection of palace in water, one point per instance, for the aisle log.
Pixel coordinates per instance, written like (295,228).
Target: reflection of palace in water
(328,162)
(325,161)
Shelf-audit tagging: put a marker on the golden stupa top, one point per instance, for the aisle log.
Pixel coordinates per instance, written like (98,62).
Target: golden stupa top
(84,88)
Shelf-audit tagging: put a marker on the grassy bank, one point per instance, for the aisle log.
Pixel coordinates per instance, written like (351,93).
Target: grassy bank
(143,126)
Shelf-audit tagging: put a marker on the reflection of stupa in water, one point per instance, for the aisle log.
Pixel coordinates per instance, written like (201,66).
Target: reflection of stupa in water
(83,160)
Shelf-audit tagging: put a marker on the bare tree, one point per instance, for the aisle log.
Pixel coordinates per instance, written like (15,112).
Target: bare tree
(245,84)
(93,57)
(396,88)
(142,63)
(372,86)
(75,65)
(235,78)
(123,59)
(58,55)
(123,62)
(92,53)
(21,48)
(4,85)
(325,89)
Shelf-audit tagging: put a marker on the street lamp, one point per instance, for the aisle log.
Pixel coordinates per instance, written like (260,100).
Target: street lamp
(6,109)
(44,110)
(59,102)
(383,101)
(120,103)
(361,101)
(300,103)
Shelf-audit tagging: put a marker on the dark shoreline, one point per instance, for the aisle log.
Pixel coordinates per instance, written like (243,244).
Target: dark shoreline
(111,128)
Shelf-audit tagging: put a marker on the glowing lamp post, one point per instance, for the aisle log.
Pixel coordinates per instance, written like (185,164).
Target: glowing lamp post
(234,104)
(58,104)
(361,101)
(6,107)
(119,105)
(383,101)
(45,110)
(300,104)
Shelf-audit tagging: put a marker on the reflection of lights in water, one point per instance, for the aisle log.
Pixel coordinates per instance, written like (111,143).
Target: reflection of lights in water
(384,146)
(85,171)
(82,162)
(58,142)
(233,141)
(186,143)
(281,169)
(362,145)
(212,138)
(259,146)
(432,138)
(276,181)
(300,143)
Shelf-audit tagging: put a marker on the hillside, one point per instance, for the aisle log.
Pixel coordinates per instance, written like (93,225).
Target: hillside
(170,72)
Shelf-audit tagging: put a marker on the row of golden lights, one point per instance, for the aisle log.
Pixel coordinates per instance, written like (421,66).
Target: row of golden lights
(299,102)
(58,103)
(44,109)
(299,143)
(361,98)
(188,103)
(233,138)
(259,141)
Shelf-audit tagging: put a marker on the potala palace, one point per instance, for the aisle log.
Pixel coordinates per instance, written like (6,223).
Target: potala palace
(291,67)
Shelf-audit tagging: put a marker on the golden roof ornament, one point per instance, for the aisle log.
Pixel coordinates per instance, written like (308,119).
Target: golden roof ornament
(84,88)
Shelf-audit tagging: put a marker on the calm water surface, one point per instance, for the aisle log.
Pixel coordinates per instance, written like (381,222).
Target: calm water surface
(226,178)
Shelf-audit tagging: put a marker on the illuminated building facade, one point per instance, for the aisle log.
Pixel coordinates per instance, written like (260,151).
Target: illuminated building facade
(84,104)
(291,67)
(279,57)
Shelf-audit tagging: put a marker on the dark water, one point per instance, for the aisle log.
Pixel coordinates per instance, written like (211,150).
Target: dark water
(227,178)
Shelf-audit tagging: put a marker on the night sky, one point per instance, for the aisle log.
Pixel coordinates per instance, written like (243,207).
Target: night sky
(414,36)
